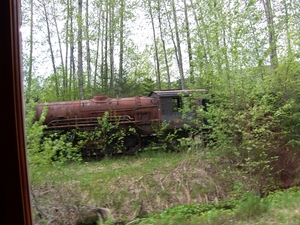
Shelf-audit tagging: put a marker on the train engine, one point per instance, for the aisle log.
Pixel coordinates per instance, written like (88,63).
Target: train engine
(144,114)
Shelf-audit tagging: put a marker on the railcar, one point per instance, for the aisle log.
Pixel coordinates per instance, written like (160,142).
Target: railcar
(145,114)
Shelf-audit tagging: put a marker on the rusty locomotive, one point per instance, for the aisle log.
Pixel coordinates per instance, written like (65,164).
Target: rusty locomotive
(144,114)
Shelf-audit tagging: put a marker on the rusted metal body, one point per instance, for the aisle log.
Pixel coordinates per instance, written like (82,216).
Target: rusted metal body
(141,113)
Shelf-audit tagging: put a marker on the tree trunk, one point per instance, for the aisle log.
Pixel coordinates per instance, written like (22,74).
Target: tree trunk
(60,51)
(271,34)
(155,45)
(171,32)
(67,50)
(88,52)
(97,50)
(105,54)
(79,43)
(51,49)
(111,48)
(287,27)
(72,72)
(164,45)
(180,65)
(122,10)
(203,63)
(189,44)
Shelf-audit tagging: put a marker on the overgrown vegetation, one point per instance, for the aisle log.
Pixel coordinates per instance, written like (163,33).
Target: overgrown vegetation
(257,127)
(250,151)
(61,146)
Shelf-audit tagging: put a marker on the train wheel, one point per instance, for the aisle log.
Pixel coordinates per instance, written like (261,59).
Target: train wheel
(92,151)
(173,145)
(132,143)
(111,149)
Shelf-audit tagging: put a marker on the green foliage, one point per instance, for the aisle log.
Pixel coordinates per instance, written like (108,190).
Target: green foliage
(34,134)
(60,147)
(186,211)
(168,138)
(105,136)
(251,205)
(247,207)
(256,125)
(193,110)
(46,147)
(55,147)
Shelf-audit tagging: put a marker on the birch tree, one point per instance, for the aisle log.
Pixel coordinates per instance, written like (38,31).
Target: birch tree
(79,45)
(178,46)
(150,8)
(271,34)
(160,22)
(189,44)
(121,43)
(88,51)
(49,34)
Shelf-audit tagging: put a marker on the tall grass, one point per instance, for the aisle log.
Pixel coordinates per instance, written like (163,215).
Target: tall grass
(155,187)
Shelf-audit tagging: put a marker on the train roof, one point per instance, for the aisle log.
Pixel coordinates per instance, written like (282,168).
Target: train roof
(169,93)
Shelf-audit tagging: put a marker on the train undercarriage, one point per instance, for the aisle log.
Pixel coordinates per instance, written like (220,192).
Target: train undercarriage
(130,144)
(97,149)
(117,144)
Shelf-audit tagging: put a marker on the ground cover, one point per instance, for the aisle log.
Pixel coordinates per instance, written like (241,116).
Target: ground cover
(155,187)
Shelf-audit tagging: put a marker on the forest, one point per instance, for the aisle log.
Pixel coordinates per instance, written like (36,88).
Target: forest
(246,53)
(73,50)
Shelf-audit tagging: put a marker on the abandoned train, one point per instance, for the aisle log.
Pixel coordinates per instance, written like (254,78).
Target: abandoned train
(144,114)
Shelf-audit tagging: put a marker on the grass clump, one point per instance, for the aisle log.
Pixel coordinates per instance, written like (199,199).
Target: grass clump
(281,207)
(222,212)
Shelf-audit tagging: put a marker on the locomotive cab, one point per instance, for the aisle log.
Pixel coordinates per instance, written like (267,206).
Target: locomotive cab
(177,107)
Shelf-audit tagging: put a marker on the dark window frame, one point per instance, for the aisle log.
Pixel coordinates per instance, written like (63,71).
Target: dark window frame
(15,201)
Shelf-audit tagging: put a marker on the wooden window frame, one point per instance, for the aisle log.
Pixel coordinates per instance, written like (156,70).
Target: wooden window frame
(15,204)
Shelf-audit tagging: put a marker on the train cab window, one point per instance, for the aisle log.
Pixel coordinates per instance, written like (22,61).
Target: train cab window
(176,104)
(170,105)
(191,103)
(186,102)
